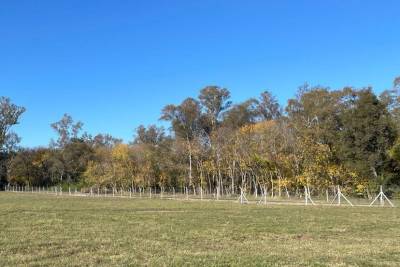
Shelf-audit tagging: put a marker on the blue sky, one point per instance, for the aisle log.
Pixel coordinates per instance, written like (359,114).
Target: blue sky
(115,64)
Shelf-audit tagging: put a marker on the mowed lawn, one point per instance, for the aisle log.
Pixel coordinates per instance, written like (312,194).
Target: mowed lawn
(45,230)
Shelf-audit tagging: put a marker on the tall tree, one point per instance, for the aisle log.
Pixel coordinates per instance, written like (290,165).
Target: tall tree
(241,114)
(186,123)
(150,135)
(74,150)
(214,100)
(367,133)
(391,98)
(9,116)
(104,140)
(268,107)
(75,157)
(66,130)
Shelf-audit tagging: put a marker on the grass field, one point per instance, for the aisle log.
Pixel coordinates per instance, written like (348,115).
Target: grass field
(45,230)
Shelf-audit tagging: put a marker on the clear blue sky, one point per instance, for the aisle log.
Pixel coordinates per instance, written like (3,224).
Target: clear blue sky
(115,64)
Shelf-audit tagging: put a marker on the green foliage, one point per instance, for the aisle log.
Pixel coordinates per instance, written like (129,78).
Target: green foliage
(9,116)
(325,138)
(367,134)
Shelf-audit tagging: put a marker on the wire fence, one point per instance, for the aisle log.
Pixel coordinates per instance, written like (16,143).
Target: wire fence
(333,197)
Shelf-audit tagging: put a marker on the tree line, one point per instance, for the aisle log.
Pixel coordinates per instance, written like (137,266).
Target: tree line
(320,139)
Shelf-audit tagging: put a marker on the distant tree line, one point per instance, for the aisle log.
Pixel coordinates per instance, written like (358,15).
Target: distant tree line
(322,138)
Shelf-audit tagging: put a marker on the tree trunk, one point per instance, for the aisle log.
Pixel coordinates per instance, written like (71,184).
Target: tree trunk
(190,160)
(233,178)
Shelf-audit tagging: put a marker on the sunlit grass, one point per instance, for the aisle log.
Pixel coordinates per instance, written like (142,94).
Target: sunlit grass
(46,230)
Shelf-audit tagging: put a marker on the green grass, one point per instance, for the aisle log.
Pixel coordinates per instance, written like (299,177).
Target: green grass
(45,230)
